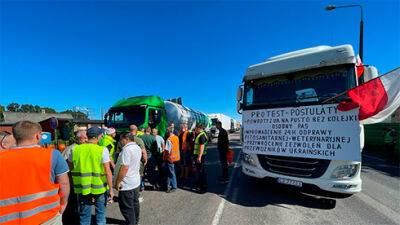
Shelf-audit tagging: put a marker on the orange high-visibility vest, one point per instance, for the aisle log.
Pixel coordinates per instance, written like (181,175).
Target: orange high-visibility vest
(184,143)
(27,194)
(174,155)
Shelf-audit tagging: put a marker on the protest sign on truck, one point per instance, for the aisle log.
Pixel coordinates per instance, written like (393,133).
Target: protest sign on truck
(292,129)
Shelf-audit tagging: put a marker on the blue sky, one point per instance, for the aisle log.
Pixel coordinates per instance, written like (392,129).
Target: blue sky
(87,53)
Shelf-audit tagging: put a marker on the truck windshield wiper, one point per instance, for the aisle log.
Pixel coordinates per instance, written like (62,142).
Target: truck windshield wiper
(333,97)
(326,98)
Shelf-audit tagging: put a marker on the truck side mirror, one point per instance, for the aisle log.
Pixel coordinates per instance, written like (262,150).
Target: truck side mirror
(239,107)
(105,119)
(239,98)
(239,94)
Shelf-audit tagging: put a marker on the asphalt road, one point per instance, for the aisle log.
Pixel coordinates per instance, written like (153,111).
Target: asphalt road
(248,201)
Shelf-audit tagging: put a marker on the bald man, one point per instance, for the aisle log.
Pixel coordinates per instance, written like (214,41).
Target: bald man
(133,130)
(80,138)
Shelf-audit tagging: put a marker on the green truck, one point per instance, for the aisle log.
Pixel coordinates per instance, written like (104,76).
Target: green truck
(153,111)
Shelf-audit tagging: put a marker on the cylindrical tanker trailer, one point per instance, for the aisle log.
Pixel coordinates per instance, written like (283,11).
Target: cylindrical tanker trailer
(179,114)
(144,111)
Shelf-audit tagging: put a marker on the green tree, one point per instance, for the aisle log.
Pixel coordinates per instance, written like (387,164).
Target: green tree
(37,108)
(77,115)
(49,110)
(1,113)
(27,108)
(13,107)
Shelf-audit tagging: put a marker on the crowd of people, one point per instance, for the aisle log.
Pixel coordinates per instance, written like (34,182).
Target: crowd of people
(40,179)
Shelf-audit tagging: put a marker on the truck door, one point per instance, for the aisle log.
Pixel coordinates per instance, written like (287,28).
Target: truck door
(157,119)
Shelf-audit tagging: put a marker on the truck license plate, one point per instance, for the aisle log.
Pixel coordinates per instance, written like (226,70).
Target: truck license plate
(290,182)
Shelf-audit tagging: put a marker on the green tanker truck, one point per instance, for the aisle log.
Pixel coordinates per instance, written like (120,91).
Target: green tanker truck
(153,111)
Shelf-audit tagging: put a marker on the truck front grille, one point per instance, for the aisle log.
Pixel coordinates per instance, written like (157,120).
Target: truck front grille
(294,166)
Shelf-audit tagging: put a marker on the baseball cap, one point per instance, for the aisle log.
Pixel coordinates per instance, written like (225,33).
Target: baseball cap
(94,132)
(110,130)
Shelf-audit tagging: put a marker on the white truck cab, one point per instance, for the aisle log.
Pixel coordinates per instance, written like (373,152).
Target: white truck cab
(306,148)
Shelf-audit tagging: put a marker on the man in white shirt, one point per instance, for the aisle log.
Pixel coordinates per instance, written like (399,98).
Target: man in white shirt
(127,179)
(160,141)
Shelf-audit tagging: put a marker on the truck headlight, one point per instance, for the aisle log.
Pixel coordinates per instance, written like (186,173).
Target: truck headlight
(248,159)
(345,171)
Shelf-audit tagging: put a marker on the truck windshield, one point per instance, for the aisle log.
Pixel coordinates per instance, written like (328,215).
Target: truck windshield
(126,116)
(305,87)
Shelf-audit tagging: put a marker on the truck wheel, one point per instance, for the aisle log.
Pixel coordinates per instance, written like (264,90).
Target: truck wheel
(328,203)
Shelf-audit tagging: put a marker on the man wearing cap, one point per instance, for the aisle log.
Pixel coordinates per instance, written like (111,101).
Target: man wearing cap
(109,142)
(91,176)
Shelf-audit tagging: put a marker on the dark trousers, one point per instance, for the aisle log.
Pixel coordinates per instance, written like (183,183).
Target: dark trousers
(224,162)
(150,171)
(392,154)
(129,205)
(71,213)
(201,176)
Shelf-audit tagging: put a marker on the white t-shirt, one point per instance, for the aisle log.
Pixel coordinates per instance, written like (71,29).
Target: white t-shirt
(168,145)
(130,156)
(160,143)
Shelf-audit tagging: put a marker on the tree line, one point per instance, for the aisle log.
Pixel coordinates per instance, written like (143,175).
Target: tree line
(29,108)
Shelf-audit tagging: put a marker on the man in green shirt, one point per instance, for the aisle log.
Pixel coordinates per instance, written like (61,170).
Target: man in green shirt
(151,146)
(133,130)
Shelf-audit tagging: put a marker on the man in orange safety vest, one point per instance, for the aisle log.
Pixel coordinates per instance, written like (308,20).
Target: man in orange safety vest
(34,181)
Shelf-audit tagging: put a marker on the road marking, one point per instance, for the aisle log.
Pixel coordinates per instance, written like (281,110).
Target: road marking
(218,214)
(220,210)
(383,209)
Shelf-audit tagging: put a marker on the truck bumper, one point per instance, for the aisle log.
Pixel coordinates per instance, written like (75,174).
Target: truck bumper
(325,183)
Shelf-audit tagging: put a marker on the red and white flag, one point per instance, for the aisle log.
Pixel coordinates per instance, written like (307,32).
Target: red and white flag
(378,98)
(359,67)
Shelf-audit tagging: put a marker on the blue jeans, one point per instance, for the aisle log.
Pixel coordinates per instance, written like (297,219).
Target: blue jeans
(85,203)
(171,177)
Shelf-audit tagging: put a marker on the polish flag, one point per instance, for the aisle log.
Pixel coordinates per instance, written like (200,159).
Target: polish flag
(359,67)
(377,99)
